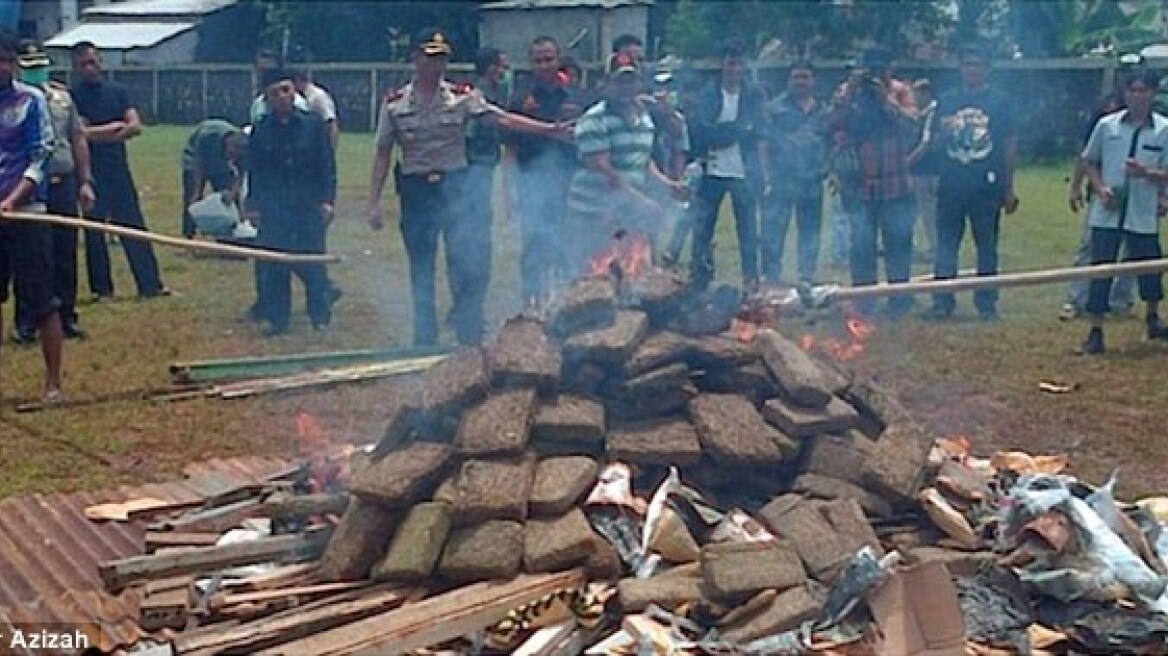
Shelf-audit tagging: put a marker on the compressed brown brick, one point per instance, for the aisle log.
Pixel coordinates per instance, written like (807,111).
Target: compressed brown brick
(493,489)
(733,432)
(847,517)
(447,490)
(583,378)
(672,441)
(838,456)
(709,312)
(402,476)
(416,547)
(659,293)
(586,304)
(734,569)
(753,380)
(670,376)
(610,346)
(817,486)
(358,541)
(404,409)
(666,591)
(659,349)
(649,402)
(524,356)
(499,425)
(896,467)
(876,405)
(799,421)
(799,522)
(570,418)
(552,545)
(456,382)
(789,609)
(489,551)
(603,563)
(560,483)
(802,379)
(720,352)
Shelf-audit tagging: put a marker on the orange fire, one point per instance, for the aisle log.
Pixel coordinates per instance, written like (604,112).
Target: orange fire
(858,332)
(631,253)
(323,469)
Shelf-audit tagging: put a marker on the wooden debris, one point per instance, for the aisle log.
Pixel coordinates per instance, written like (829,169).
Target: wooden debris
(283,548)
(432,621)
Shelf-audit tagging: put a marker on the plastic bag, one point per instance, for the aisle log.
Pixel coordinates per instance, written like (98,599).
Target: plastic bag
(213,215)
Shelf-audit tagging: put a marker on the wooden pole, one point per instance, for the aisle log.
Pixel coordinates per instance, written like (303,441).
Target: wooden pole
(1000,281)
(175,242)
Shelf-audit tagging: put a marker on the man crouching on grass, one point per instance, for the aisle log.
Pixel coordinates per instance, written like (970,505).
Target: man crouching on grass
(26,143)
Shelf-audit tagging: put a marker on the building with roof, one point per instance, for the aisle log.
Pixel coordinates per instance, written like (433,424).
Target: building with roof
(159,32)
(584,28)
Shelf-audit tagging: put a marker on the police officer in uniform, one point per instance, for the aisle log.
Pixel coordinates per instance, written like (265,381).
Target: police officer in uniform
(70,187)
(428,119)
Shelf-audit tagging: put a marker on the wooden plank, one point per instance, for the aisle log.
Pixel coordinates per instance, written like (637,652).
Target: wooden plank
(279,577)
(320,616)
(191,560)
(556,640)
(432,621)
(227,599)
(214,520)
(303,505)
(165,539)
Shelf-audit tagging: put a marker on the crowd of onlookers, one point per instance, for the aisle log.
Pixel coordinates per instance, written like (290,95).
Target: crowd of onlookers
(902,170)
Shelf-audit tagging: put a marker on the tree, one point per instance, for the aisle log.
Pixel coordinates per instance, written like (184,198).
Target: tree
(1070,28)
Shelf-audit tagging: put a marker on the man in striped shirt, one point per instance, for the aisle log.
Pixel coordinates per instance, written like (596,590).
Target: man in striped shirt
(607,194)
(26,144)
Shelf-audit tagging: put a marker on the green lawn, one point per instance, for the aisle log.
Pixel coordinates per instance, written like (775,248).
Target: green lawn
(962,378)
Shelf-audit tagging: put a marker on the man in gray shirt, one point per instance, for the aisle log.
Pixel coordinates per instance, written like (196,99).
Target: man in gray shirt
(1126,161)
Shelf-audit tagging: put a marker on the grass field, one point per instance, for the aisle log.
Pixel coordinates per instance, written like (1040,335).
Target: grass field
(963,377)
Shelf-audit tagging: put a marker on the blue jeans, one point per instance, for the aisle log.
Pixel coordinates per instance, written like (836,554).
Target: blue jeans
(1121,289)
(841,227)
(711,191)
(890,221)
(807,206)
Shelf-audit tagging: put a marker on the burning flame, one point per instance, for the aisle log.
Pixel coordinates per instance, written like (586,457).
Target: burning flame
(629,254)
(324,471)
(858,332)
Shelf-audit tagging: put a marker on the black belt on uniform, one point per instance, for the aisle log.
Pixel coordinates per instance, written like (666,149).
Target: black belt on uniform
(432,177)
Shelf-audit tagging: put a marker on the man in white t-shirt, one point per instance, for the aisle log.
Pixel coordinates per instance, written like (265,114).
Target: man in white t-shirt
(726,132)
(319,102)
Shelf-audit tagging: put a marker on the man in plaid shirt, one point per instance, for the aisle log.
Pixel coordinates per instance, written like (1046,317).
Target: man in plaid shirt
(883,132)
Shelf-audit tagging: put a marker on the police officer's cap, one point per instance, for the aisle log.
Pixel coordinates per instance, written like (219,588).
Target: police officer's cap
(31,56)
(275,76)
(432,41)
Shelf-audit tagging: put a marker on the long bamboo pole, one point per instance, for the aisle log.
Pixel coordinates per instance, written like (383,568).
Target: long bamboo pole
(175,242)
(816,296)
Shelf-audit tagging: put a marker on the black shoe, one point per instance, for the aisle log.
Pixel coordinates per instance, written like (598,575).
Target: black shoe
(1156,328)
(161,292)
(335,294)
(320,326)
(938,313)
(24,335)
(989,315)
(1093,345)
(73,331)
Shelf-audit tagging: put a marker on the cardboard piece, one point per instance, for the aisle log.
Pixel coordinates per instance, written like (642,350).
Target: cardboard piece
(918,612)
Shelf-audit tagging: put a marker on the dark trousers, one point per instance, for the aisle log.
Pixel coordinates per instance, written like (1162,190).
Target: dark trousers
(63,201)
(542,203)
(293,231)
(886,223)
(1105,245)
(117,202)
(983,208)
(711,191)
(433,209)
(807,206)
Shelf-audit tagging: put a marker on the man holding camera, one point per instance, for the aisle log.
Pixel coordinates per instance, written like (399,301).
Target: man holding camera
(883,132)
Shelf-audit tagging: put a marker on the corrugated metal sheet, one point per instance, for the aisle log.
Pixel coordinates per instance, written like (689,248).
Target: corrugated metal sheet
(137,8)
(50,551)
(119,36)
(563,4)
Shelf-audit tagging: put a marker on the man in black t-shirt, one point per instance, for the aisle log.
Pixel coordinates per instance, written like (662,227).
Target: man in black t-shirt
(979,149)
(110,121)
(543,167)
